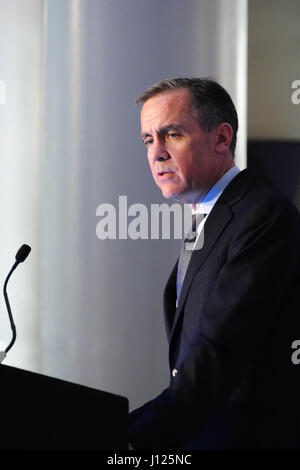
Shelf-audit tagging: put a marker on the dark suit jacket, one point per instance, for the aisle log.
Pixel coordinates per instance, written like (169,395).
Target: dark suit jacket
(231,336)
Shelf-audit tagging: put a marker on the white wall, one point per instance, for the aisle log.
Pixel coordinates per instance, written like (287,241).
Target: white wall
(21,43)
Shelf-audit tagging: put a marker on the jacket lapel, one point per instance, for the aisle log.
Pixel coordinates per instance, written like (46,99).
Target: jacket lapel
(170,301)
(215,224)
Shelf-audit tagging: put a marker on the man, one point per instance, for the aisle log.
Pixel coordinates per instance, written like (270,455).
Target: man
(232,316)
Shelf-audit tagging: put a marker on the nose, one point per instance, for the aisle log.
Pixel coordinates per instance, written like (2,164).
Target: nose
(161,158)
(158,152)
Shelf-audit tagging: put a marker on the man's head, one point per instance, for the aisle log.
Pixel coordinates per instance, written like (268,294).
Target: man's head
(189,126)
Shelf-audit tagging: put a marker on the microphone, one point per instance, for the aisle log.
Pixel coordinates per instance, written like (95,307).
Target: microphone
(21,255)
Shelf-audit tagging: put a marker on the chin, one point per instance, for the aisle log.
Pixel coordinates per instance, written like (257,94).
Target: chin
(182,197)
(173,195)
(168,194)
(176,193)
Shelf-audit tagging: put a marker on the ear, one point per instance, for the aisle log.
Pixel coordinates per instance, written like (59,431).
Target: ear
(224,135)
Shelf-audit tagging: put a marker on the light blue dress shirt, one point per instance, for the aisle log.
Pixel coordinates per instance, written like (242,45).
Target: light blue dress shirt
(208,202)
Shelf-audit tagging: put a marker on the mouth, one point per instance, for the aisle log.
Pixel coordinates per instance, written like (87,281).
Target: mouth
(164,172)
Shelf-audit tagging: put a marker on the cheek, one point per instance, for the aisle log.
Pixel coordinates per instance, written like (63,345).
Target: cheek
(183,156)
(185,167)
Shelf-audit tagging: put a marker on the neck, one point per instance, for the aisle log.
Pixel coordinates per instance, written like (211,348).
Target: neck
(199,198)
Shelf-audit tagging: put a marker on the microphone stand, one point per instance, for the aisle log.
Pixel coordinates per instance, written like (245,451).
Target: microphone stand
(12,324)
(21,255)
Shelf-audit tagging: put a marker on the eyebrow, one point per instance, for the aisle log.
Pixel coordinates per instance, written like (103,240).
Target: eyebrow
(163,130)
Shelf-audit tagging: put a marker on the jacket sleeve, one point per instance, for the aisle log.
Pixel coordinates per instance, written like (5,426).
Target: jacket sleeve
(263,255)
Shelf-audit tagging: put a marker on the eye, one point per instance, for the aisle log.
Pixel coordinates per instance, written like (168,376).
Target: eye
(172,135)
(148,142)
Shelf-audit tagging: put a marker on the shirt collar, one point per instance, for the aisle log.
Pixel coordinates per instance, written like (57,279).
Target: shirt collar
(215,192)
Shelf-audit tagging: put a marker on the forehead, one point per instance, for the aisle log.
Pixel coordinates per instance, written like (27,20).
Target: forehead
(165,107)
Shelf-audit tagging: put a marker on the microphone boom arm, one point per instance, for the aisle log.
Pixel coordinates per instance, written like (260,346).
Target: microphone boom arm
(12,324)
(21,255)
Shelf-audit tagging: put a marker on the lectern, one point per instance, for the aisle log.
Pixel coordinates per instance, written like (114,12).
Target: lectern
(40,412)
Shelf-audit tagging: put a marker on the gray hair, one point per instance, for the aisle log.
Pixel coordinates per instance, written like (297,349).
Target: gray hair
(211,104)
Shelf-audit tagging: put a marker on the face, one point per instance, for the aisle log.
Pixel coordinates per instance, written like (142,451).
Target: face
(184,160)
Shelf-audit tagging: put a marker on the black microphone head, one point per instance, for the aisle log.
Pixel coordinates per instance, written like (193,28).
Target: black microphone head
(22,253)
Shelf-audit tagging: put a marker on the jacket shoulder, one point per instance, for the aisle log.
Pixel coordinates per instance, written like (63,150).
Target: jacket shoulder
(247,193)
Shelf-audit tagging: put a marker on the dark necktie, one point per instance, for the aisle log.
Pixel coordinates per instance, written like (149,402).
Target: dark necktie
(186,252)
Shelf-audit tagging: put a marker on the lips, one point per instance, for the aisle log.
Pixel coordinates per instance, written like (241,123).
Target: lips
(164,172)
